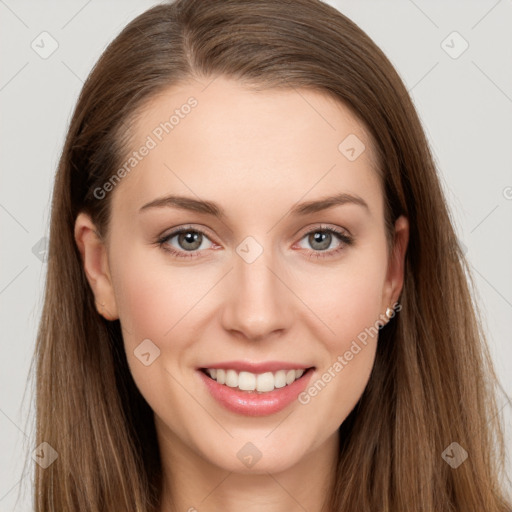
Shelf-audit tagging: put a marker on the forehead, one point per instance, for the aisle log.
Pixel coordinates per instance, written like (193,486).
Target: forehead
(220,138)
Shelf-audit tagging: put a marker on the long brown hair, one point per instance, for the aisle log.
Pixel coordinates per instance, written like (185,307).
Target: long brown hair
(432,383)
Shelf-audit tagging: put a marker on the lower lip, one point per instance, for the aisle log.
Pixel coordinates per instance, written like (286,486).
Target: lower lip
(251,403)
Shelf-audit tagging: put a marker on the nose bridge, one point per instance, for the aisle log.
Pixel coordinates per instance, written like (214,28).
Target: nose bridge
(258,303)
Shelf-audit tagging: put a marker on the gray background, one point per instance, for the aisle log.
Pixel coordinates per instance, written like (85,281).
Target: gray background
(465,104)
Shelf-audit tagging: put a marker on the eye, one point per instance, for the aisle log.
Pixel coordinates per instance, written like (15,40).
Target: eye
(188,240)
(321,239)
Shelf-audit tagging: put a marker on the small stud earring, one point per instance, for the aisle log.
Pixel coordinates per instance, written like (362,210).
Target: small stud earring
(390,313)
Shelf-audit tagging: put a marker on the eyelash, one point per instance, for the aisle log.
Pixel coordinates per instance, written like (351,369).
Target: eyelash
(343,237)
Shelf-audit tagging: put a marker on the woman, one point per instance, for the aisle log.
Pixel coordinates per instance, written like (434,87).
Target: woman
(315,347)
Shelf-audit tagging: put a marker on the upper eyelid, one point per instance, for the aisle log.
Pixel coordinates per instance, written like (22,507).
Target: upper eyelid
(185,228)
(325,227)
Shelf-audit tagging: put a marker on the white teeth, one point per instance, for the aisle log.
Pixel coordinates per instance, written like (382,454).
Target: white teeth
(264,382)
(290,376)
(231,379)
(247,381)
(280,379)
(221,376)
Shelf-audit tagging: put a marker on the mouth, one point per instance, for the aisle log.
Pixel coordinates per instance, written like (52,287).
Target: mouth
(256,383)
(268,389)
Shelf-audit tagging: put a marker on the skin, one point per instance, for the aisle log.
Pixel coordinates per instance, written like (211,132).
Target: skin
(256,154)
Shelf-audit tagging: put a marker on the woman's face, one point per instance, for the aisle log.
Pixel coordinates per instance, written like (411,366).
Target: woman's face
(256,285)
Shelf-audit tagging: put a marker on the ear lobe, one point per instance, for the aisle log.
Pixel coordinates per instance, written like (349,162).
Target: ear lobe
(95,262)
(396,266)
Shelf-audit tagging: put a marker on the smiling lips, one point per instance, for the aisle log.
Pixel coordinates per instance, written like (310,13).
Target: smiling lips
(255,389)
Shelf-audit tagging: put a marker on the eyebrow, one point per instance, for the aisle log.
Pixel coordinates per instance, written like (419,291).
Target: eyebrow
(211,208)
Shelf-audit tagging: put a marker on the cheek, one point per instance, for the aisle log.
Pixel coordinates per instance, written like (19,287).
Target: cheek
(152,298)
(348,302)
(347,299)
(166,304)
(358,305)
(156,302)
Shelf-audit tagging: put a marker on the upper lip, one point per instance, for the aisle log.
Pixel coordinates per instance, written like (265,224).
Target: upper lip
(265,366)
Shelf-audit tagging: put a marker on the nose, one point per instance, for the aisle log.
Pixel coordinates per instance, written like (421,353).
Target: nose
(258,302)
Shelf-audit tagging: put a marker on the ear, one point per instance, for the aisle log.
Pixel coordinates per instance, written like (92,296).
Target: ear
(396,265)
(95,261)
